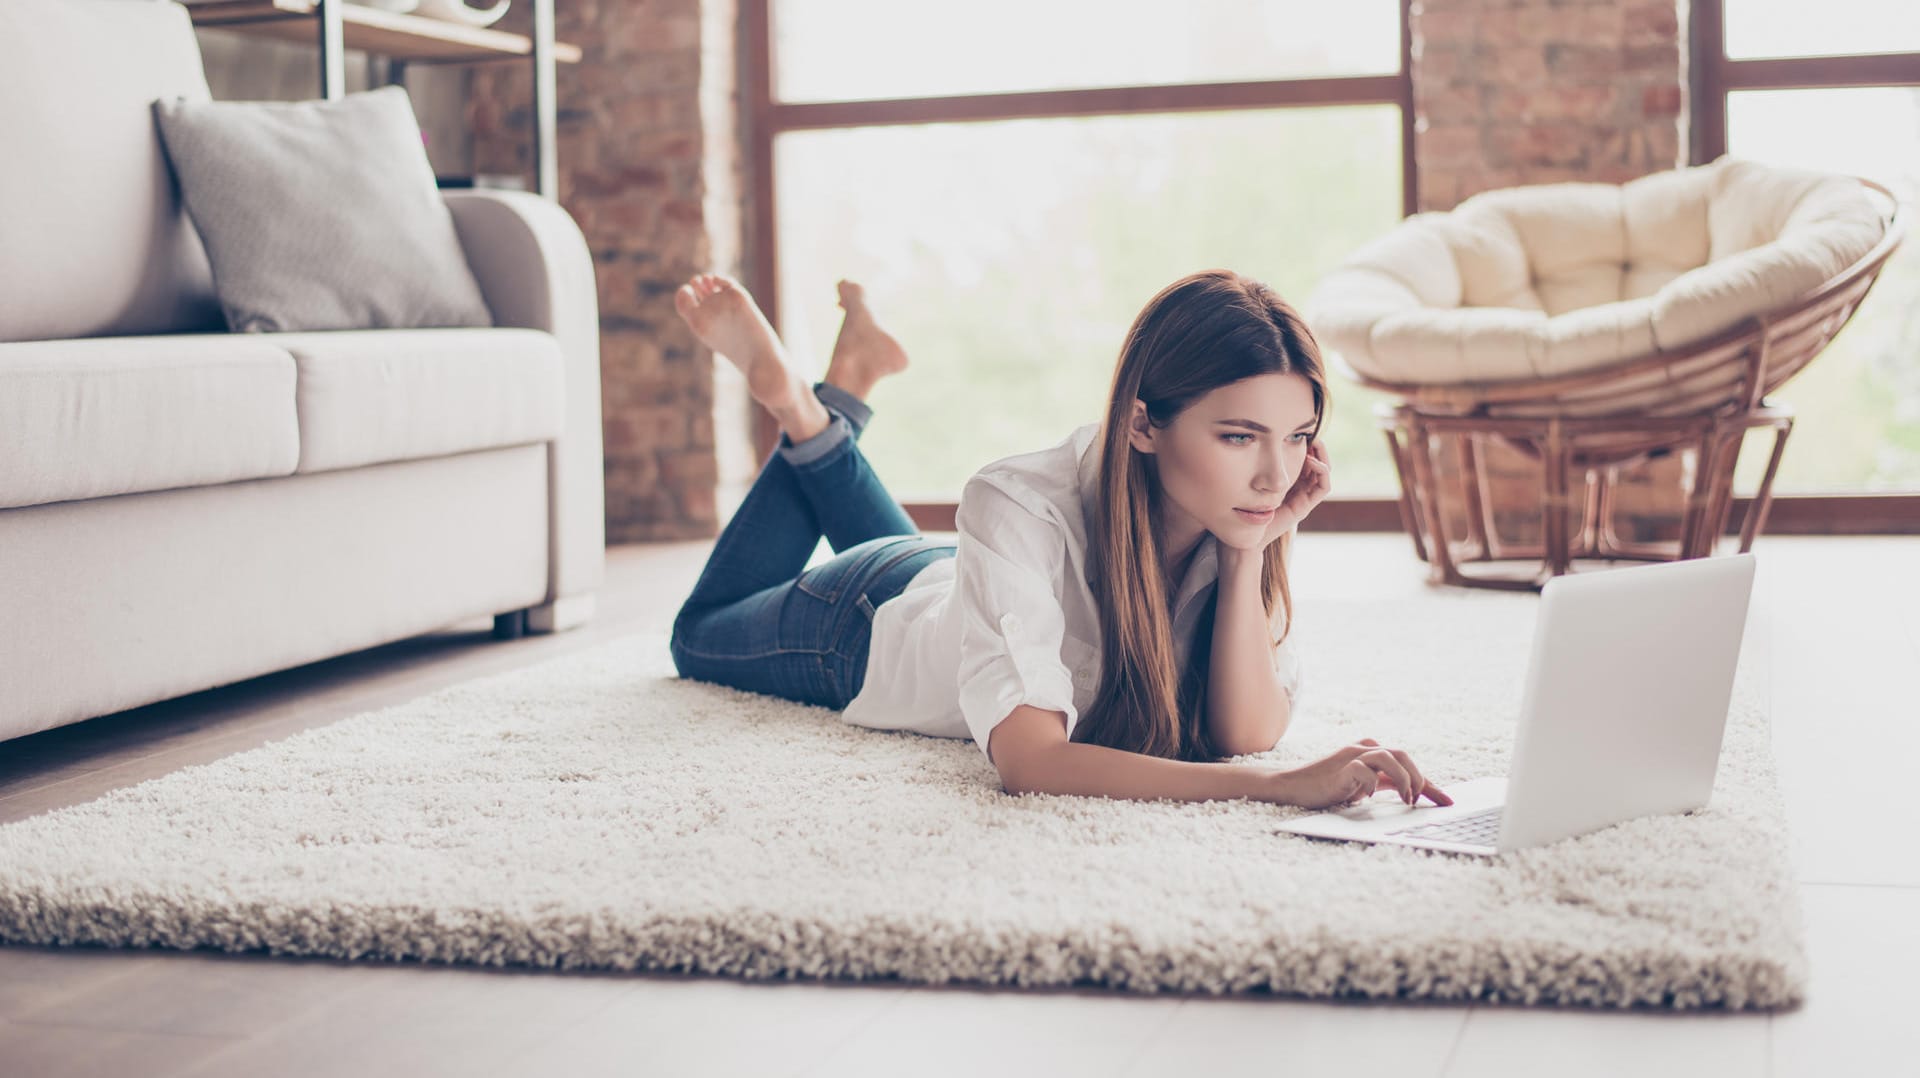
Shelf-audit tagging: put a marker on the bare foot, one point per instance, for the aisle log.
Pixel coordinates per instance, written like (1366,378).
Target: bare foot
(727,320)
(863,353)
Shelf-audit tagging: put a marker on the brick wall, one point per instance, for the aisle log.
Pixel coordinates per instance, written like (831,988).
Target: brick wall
(1512,92)
(649,168)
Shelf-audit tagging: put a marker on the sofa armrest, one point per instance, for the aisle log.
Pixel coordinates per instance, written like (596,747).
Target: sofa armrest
(535,272)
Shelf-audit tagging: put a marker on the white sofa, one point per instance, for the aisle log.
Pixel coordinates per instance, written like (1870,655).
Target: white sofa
(181,507)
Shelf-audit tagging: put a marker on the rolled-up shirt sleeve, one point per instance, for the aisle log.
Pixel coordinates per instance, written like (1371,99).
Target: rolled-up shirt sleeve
(1007,565)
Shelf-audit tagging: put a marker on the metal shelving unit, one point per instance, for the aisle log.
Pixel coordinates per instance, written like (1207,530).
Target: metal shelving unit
(335,26)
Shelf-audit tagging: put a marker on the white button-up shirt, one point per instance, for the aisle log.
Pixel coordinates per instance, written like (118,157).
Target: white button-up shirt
(1011,618)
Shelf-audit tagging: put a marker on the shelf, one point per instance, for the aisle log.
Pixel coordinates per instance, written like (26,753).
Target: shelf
(403,37)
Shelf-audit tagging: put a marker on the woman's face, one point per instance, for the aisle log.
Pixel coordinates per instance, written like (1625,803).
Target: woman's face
(1237,448)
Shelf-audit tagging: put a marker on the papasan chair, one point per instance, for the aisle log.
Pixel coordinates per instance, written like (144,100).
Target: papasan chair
(1591,328)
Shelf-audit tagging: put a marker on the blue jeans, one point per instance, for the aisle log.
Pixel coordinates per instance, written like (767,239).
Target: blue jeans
(760,620)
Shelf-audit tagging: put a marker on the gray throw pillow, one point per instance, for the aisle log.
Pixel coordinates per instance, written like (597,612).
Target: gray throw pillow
(320,214)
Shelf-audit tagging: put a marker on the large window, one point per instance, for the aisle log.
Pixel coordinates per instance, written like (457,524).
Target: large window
(1839,91)
(1858,404)
(1013,181)
(1011,256)
(1761,29)
(849,50)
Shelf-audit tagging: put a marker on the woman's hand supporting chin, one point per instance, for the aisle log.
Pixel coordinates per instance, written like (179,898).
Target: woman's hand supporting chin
(1309,489)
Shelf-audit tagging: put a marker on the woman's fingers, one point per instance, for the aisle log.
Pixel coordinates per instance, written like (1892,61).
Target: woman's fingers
(1421,786)
(1383,760)
(1317,458)
(1362,781)
(1414,777)
(1366,754)
(1310,487)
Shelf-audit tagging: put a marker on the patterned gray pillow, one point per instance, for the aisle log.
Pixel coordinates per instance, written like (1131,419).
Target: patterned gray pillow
(320,214)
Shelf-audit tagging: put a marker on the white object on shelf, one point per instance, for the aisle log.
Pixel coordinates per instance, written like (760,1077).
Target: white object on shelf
(458,11)
(397,7)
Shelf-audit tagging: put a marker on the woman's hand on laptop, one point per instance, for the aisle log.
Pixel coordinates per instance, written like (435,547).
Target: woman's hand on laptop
(1353,773)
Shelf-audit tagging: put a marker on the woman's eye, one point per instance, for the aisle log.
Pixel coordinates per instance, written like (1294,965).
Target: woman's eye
(1304,436)
(1225,437)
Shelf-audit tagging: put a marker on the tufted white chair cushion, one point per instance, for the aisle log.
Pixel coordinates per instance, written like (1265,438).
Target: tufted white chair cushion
(1555,279)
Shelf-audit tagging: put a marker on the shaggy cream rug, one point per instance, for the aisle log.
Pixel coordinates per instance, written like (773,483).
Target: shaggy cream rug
(595,811)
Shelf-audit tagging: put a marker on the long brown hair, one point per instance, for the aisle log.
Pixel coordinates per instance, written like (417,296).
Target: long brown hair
(1201,332)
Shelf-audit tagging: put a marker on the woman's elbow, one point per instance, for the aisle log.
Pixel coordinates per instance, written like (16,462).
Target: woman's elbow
(1254,742)
(1282,719)
(1252,747)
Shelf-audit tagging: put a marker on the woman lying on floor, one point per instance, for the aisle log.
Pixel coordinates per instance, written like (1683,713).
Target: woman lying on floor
(1115,616)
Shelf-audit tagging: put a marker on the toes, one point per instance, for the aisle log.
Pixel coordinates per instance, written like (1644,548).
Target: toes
(705,285)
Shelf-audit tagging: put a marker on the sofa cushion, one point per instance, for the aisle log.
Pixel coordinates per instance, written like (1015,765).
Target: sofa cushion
(367,396)
(320,215)
(96,240)
(119,415)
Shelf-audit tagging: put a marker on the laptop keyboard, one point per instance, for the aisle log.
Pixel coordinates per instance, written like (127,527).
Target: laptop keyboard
(1474,829)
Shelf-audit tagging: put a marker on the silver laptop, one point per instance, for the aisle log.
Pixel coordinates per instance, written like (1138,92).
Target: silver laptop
(1624,709)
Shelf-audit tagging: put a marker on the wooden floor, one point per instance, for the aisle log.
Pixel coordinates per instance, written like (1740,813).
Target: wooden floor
(1836,615)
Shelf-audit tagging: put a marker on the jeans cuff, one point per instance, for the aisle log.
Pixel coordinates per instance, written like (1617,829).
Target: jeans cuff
(839,400)
(839,430)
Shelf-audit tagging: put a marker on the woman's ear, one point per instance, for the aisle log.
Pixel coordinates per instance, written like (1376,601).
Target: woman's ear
(1139,431)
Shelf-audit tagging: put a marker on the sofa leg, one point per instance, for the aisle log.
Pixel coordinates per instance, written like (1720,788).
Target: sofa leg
(566,612)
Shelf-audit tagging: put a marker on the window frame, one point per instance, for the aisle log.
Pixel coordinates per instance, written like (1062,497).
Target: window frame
(768,118)
(1712,76)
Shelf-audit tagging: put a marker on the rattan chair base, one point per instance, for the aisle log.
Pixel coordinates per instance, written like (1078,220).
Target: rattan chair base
(1590,452)
(1587,427)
